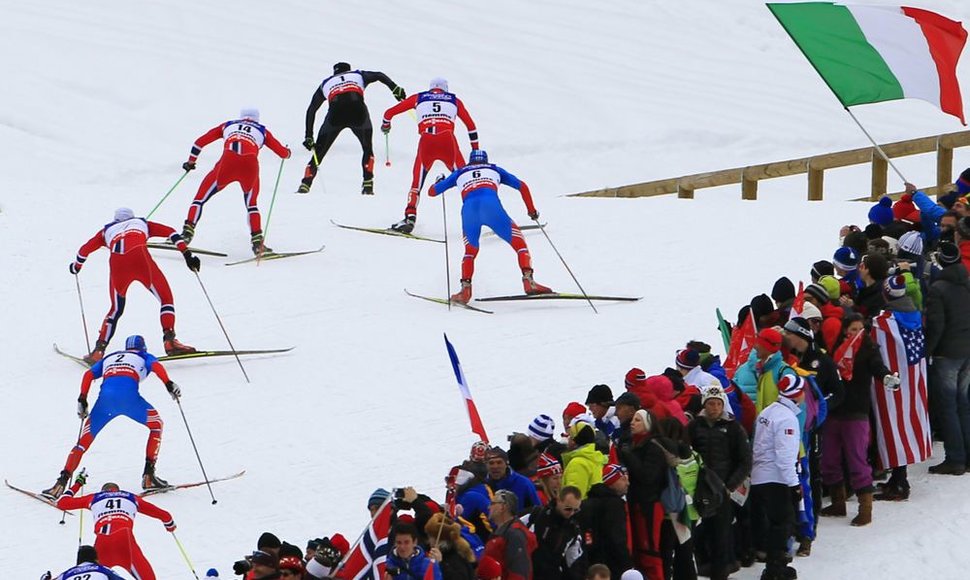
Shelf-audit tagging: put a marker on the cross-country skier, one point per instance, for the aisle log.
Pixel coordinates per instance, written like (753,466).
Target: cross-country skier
(436,111)
(242,140)
(87,568)
(479,181)
(130,261)
(345,91)
(121,372)
(114,512)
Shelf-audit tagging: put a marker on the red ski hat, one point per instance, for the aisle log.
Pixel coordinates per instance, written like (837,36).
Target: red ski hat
(769,339)
(634,378)
(488,569)
(548,465)
(574,409)
(612,473)
(291,563)
(341,543)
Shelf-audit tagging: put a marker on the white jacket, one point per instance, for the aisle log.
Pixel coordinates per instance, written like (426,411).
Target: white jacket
(777,437)
(700,378)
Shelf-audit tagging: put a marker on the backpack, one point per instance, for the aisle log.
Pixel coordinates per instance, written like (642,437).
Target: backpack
(673,497)
(710,493)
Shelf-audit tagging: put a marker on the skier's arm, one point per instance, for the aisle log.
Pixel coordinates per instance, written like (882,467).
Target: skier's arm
(275,146)
(469,123)
(376,76)
(212,135)
(405,105)
(159,371)
(87,379)
(513,181)
(157,230)
(153,511)
(444,185)
(69,502)
(96,241)
(311,111)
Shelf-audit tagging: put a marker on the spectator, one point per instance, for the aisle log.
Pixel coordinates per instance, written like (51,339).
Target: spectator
(549,474)
(376,500)
(846,262)
(600,404)
(449,549)
(962,239)
(511,544)
(948,343)
(626,405)
(265,566)
(583,463)
(407,560)
(821,268)
(559,552)
(831,314)
(291,567)
(873,269)
(598,572)
(688,362)
(603,521)
(500,477)
(783,293)
(571,411)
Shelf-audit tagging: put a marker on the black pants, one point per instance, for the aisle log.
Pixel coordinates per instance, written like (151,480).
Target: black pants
(336,121)
(714,540)
(772,518)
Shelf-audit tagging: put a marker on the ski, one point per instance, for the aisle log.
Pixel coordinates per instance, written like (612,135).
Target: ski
(445,301)
(200,251)
(276,256)
(524,228)
(34,495)
(188,355)
(557,296)
(386,232)
(177,486)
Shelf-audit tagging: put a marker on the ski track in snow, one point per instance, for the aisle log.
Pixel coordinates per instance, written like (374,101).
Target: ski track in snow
(106,97)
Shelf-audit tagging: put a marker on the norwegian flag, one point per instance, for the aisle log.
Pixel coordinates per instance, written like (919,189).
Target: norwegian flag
(365,560)
(902,421)
(845,356)
(742,341)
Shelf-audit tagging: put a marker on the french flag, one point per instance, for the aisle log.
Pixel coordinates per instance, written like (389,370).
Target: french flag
(476,421)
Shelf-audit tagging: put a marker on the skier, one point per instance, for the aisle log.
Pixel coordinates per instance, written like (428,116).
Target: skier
(130,261)
(114,512)
(436,111)
(122,371)
(479,181)
(242,140)
(87,568)
(345,91)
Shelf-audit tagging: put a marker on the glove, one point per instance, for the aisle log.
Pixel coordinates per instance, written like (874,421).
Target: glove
(534,215)
(74,268)
(386,127)
(81,479)
(82,407)
(170,526)
(193,262)
(173,390)
(327,554)
(188,165)
(240,567)
(308,143)
(891,382)
(399,94)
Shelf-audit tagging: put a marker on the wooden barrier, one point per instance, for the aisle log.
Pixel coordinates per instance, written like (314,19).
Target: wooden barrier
(748,177)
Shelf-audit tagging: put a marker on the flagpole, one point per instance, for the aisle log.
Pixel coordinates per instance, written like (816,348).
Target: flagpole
(343,561)
(876,145)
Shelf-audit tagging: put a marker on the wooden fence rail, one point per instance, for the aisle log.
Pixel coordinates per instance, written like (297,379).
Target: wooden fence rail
(815,167)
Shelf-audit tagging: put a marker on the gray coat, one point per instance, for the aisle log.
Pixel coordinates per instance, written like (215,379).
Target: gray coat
(948,314)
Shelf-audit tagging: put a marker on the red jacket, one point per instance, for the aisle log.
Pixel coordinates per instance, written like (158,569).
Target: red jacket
(511,545)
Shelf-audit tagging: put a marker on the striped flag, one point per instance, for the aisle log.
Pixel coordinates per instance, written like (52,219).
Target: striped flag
(366,558)
(476,421)
(902,421)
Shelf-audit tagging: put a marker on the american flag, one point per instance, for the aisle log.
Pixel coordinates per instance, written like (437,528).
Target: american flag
(365,560)
(902,421)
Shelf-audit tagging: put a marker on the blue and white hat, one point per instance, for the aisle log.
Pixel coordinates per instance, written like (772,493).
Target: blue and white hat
(542,427)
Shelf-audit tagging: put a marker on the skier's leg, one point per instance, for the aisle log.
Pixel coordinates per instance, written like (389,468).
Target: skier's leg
(325,138)
(209,187)
(365,134)
(82,445)
(158,285)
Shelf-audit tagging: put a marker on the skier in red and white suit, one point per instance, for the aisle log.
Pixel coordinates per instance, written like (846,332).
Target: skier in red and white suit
(130,261)
(243,138)
(114,514)
(436,111)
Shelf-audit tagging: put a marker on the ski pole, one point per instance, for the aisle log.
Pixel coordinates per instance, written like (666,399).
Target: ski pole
(387,150)
(585,295)
(444,219)
(84,320)
(219,320)
(168,193)
(272,202)
(196,449)
(184,555)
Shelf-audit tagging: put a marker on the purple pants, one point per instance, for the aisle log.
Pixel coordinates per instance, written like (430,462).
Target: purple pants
(846,439)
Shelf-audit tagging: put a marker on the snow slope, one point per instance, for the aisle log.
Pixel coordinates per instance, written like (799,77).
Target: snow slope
(102,100)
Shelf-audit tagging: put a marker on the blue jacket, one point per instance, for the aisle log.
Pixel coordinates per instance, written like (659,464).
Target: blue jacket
(746,376)
(520,485)
(930,215)
(413,568)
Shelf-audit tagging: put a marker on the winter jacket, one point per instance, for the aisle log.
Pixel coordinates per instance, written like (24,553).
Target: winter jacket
(866,365)
(417,567)
(822,367)
(559,545)
(746,377)
(832,316)
(769,373)
(687,472)
(512,545)
(777,439)
(700,378)
(583,467)
(647,468)
(518,484)
(663,389)
(743,407)
(474,508)
(603,523)
(609,423)
(930,215)
(453,565)
(913,288)
(965,253)
(948,314)
(869,302)
(723,445)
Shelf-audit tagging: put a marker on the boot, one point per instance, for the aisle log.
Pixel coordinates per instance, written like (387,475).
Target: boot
(531,286)
(804,548)
(96,354)
(188,232)
(463,296)
(151,481)
(892,492)
(173,346)
(405,226)
(947,468)
(837,508)
(865,509)
(304,188)
(367,187)
(258,246)
(57,490)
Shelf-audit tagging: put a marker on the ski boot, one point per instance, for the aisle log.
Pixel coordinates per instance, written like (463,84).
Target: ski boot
(96,354)
(258,246)
(304,188)
(151,481)
(367,187)
(405,226)
(57,490)
(531,286)
(173,346)
(188,232)
(464,295)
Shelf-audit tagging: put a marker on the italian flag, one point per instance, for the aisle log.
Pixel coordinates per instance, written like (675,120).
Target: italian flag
(870,54)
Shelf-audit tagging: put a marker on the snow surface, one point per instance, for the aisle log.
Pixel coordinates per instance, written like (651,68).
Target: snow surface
(103,98)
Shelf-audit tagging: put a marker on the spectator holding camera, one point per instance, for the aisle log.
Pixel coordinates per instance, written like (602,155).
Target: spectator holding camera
(407,561)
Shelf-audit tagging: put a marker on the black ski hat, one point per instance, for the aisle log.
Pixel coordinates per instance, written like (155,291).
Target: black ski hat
(341,67)
(822,268)
(268,540)
(783,290)
(600,394)
(761,305)
(86,554)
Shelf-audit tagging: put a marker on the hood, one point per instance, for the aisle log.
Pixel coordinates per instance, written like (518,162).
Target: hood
(661,387)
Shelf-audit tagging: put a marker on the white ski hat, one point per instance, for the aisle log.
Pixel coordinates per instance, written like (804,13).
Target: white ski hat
(123,213)
(439,83)
(249,113)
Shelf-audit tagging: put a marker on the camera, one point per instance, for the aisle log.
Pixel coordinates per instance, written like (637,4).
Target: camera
(242,567)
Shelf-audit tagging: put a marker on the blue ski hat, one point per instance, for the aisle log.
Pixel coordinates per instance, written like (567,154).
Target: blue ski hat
(478,156)
(135,342)
(882,212)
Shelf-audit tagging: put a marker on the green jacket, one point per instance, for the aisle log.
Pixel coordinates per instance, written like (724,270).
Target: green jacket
(687,471)
(583,467)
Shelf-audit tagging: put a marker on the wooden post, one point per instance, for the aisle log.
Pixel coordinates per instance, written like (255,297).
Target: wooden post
(684,192)
(816,180)
(749,187)
(944,164)
(880,176)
